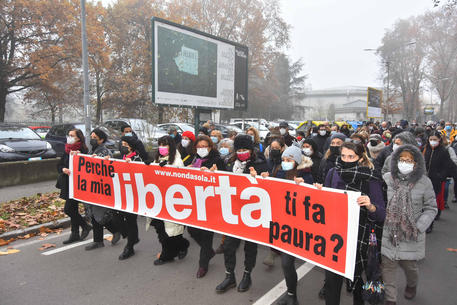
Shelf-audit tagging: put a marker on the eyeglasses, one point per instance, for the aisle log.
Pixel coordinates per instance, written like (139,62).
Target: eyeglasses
(407,161)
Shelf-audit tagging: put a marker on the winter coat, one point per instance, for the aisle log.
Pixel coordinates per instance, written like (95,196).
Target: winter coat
(405,136)
(187,154)
(320,142)
(303,170)
(439,165)
(214,157)
(424,207)
(257,161)
(97,212)
(288,139)
(325,165)
(64,186)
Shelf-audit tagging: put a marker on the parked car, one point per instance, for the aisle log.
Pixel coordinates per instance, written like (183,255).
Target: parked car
(19,143)
(143,129)
(180,127)
(57,136)
(41,130)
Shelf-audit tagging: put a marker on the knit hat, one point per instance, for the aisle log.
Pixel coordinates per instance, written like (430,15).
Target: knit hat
(283,124)
(293,152)
(101,134)
(375,136)
(338,135)
(243,141)
(131,141)
(189,134)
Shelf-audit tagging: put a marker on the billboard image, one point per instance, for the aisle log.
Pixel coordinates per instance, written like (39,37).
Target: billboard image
(374,100)
(194,69)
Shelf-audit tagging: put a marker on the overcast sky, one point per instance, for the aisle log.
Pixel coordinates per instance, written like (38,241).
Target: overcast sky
(330,36)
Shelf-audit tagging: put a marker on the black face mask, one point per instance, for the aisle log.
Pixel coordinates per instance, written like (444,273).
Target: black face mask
(275,154)
(124,150)
(93,142)
(373,142)
(335,150)
(347,165)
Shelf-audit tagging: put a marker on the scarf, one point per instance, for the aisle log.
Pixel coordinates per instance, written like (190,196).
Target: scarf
(400,220)
(198,162)
(356,178)
(239,167)
(72,147)
(131,155)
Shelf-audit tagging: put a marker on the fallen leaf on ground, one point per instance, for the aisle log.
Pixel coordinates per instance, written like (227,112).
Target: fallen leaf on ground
(451,250)
(41,238)
(47,246)
(9,251)
(45,230)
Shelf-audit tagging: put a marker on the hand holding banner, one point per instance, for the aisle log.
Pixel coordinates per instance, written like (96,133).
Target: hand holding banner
(319,226)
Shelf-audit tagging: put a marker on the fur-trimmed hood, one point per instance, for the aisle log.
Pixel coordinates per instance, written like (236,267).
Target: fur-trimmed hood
(419,169)
(306,162)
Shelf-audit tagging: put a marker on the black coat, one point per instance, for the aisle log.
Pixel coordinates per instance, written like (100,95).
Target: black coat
(324,166)
(65,163)
(257,161)
(288,139)
(320,142)
(213,158)
(439,165)
(381,158)
(187,154)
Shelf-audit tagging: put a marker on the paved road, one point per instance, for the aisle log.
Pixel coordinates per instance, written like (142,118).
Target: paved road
(19,191)
(75,276)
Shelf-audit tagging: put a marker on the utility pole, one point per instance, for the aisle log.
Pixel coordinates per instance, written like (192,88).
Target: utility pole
(85,71)
(388,91)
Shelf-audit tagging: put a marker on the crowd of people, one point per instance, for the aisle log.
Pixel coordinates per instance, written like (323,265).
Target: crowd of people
(402,171)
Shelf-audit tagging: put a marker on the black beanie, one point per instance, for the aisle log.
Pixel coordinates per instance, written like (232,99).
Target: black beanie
(243,141)
(101,134)
(131,141)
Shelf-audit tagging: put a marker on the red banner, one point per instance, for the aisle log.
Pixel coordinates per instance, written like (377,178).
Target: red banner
(319,226)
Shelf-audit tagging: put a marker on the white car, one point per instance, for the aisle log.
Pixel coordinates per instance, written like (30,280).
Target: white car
(180,127)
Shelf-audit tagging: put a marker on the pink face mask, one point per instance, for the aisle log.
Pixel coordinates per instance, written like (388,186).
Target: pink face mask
(243,156)
(163,150)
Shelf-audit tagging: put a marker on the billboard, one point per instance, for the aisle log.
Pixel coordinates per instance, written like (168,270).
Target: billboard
(429,110)
(374,100)
(194,69)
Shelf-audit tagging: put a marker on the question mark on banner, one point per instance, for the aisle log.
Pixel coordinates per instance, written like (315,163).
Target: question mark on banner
(338,246)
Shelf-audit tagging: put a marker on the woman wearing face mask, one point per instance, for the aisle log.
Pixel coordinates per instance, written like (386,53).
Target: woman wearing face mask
(410,210)
(329,159)
(243,161)
(170,234)
(438,164)
(186,147)
(131,151)
(75,142)
(206,157)
(102,217)
(216,137)
(354,171)
(225,148)
(254,134)
(309,149)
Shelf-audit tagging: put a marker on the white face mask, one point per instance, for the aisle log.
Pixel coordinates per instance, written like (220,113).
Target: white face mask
(71,140)
(405,168)
(434,143)
(202,152)
(307,151)
(322,132)
(395,147)
(282,131)
(185,143)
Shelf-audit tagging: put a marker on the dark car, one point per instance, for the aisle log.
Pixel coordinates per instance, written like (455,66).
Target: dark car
(20,143)
(57,136)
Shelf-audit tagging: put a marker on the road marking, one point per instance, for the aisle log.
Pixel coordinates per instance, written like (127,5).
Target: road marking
(271,296)
(61,249)
(36,241)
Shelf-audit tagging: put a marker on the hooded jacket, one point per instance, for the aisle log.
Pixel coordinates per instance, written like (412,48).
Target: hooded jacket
(383,162)
(316,157)
(424,206)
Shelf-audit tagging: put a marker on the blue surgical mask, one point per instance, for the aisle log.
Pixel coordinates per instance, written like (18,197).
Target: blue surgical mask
(215,139)
(224,151)
(129,134)
(287,166)
(448,128)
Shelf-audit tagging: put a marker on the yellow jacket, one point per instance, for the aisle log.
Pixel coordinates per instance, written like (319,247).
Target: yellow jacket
(452,135)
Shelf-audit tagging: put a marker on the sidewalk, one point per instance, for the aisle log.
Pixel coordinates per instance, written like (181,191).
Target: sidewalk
(19,191)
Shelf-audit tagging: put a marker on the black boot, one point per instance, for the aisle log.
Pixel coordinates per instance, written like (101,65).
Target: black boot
(85,231)
(288,299)
(227,283)
(74,237)
(246,282)
(128,251)
(94,245)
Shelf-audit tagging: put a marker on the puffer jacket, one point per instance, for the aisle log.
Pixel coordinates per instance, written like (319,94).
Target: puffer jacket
(424,205)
